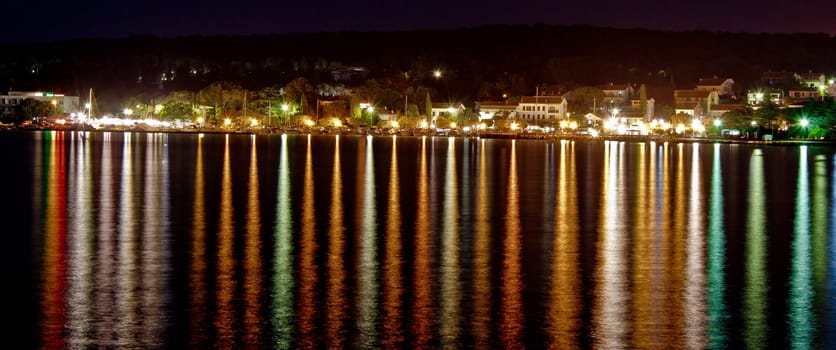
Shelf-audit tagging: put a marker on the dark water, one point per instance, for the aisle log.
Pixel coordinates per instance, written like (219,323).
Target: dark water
(180,241)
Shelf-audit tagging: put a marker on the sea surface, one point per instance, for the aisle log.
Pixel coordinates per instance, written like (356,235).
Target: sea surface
(143,240)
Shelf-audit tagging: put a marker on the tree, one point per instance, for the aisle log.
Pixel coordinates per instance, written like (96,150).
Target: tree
(32,108)
(583,99)
(297,88)
(767,114)
(667,111)
(354,106)
(175,109)
(224,98)
(177,105)
(739,119)
(428,106)
(303,105)
(412,111)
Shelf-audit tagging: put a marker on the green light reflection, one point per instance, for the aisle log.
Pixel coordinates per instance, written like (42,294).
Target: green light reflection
(801,320)
(717,312)
(283,275)
(755,276)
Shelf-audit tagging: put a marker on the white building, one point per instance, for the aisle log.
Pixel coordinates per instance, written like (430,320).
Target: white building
(490,109)
(723,86)
(10,101)
(537,108)
(756,97)
(616,94)
(446,110)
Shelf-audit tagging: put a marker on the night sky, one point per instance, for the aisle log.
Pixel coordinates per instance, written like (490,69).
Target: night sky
(47,20)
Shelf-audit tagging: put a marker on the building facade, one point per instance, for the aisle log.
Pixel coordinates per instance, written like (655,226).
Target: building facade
(542,108)
(10,101)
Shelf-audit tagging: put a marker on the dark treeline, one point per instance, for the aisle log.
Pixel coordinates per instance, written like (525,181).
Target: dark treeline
(477,62)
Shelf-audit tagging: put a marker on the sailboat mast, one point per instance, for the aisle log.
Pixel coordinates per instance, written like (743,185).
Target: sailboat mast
(90,101)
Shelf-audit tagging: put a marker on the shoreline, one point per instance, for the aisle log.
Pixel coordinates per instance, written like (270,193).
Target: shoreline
(507,136)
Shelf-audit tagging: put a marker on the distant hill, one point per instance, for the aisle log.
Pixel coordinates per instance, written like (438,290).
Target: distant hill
(562,55)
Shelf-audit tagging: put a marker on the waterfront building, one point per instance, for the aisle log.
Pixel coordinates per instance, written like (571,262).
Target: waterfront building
(12,99)
(541,108)
(490,109)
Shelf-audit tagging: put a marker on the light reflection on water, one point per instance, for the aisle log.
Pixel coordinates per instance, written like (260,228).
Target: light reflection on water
(153,240)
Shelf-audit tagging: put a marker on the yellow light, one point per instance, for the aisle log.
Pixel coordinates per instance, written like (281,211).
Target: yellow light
(573,125)
(514,126)
(60,121)
(452,125)
(424,124)
(227,122)
(200,120)
(309,122)
(338,123)
(564,124)
(437,73)
(54,102)
(395,124)
(370,109)
(482,126)
(253,122)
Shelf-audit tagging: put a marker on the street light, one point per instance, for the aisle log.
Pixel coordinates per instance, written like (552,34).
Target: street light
(804,123)
(437,73)
(717,122)
(127,112)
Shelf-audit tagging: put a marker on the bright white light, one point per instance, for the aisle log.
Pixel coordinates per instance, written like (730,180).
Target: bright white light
(285,107)
(127,111)
(437,73)
(717,122)
(452,125)
(804,122)
(87,105)
(370,109)
(754,123)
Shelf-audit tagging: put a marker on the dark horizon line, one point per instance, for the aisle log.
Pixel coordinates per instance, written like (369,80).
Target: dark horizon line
(389,31)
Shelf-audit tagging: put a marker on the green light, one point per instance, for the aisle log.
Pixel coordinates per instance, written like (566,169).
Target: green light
(801,318)
(819,228)
(283,278)
(755,277)
(717,313)
(367,294)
